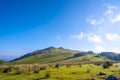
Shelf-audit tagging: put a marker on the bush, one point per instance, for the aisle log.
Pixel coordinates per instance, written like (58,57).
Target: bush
(5,70)
(107,64)
(101,73)
(57,66)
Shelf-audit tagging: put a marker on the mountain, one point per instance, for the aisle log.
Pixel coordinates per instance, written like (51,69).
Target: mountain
(111,55)
(46,55)
(52,54)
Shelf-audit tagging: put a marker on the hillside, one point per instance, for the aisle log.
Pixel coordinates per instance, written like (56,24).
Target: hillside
(52,54)
(2,62)
(47,55)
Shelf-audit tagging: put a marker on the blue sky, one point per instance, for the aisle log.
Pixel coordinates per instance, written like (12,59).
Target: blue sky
(28,25)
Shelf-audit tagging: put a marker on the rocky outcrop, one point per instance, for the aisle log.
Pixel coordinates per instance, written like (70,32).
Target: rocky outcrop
(111,77)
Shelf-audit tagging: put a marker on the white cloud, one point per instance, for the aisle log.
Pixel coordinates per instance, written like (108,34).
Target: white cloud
(112,36)
(100,49)
(94,21)
(95,38)
(91,21)
(111,15)
(115,19)
(90,36)
(110,10)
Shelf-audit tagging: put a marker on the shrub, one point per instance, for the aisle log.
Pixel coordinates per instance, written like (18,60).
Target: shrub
(107,64)
(5,70)
(57,66)
(101,73)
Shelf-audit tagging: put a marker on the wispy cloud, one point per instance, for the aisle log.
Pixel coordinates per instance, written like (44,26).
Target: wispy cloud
(112,36)
(111,15)
(95,22)
(94,38)
(90,36)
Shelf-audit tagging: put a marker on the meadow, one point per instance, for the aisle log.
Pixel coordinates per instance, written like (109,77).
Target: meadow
(58,72)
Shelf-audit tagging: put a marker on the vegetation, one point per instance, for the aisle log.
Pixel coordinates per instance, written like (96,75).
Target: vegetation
(53,55)
(61,64)
(1,61)
(107,64)
(52,72)
(48,55)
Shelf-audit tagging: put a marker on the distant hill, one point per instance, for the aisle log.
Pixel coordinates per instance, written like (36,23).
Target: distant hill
(111,55)
(1,61)
(52,54)
(46,55)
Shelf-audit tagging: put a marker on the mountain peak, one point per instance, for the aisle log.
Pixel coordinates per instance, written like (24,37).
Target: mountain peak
(49,48)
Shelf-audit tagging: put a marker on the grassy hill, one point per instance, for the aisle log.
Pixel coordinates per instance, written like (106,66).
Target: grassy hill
(60,64)
(51,55)
(87,58)
(47,55)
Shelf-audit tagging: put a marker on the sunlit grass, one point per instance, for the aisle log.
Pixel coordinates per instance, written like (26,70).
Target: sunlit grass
(72,72)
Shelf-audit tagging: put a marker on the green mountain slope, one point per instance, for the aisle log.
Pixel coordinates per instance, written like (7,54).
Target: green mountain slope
(47,55)
(51,55)
(87,58)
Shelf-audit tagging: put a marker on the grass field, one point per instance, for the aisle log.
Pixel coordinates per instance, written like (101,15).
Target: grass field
(62,72)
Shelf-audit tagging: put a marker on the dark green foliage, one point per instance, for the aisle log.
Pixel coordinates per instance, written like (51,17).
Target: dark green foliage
(107,64)
(5,70)
(80,54)
(101,73)
(57,65)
